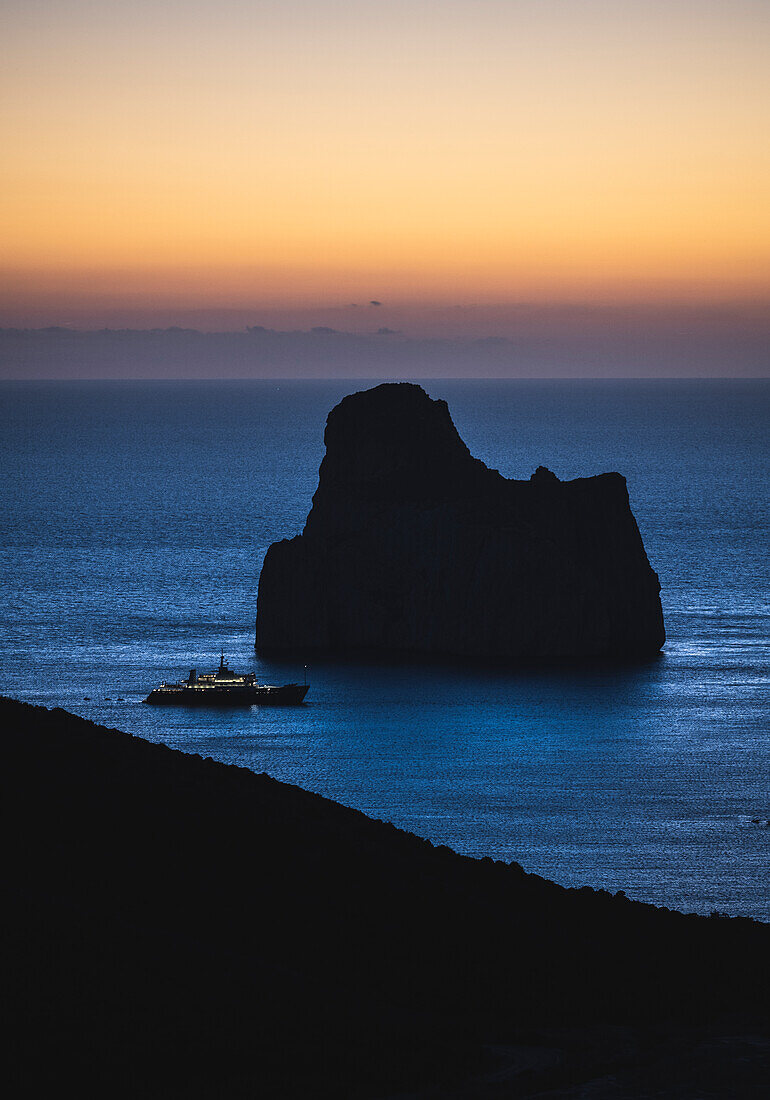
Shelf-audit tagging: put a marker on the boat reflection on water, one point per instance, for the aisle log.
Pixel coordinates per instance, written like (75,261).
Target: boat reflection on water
(225,688)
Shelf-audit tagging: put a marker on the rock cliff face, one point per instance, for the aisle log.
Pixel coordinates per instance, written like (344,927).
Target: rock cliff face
(412,545)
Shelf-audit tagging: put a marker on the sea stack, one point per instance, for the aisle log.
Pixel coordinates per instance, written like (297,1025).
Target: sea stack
(414,546)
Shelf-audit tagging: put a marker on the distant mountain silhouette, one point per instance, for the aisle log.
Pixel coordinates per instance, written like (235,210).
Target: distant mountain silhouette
(527,341)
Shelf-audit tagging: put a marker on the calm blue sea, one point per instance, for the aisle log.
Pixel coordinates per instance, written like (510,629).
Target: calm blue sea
(135,518)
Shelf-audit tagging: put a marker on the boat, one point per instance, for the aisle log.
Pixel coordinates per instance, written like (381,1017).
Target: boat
(225,688)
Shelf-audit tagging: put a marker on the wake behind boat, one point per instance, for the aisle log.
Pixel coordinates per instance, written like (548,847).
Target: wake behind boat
(225,688)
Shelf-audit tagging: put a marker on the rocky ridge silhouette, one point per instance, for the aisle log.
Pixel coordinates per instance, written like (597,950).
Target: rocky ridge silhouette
(177,927)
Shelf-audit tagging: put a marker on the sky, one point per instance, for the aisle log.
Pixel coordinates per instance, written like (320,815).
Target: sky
(246,160)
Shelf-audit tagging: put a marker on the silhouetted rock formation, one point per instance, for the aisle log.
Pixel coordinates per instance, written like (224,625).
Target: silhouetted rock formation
(178,927)
(412,545)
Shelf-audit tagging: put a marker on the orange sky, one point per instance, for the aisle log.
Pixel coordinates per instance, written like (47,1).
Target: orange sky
(195,154)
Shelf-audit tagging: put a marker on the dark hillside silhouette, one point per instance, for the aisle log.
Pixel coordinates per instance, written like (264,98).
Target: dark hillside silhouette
(178,927)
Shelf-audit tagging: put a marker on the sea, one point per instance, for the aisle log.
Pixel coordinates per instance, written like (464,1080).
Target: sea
(135,517)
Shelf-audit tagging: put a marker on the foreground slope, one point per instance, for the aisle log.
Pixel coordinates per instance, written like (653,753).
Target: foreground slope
(182,927)
(413,545)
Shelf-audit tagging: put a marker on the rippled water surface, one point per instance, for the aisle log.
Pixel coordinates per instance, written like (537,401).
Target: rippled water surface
(135,519)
